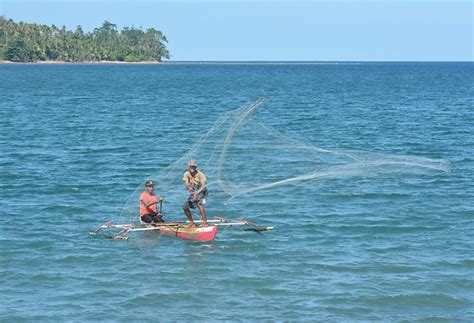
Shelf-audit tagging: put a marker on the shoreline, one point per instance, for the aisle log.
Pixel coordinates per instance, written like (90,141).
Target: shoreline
(79,63)
(3,62)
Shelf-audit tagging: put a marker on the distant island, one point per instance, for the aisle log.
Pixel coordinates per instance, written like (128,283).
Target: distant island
(25,42)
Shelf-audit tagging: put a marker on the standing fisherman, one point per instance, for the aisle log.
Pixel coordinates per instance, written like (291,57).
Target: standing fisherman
(195,182)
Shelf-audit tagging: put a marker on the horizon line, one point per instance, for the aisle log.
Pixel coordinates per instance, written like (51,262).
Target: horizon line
(318,61)
(236,62)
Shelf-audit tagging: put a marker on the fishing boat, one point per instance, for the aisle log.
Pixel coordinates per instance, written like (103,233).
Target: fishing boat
(178,229)
(191,233)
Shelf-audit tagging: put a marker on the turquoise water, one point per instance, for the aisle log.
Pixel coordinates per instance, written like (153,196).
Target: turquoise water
(77,140)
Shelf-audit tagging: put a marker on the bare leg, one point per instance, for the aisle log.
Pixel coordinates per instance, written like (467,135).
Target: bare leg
(188,214)
(202,210)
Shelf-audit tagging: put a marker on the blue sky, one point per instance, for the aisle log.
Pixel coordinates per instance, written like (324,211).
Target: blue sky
(282,30)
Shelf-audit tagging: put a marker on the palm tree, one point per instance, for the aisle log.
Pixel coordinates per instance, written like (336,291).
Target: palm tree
(32,42)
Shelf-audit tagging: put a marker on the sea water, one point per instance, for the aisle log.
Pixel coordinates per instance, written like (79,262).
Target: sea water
(77,140)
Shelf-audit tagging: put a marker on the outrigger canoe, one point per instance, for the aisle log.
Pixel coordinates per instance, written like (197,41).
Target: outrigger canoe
(178,229)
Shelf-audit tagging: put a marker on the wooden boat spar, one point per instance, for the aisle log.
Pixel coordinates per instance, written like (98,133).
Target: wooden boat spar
(178,229)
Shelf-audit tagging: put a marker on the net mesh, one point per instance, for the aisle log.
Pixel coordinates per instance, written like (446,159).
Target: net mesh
(241,155)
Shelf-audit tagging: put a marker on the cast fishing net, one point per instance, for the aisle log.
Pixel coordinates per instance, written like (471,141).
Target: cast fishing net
(243,156)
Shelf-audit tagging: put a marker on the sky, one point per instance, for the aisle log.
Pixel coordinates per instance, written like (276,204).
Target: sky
(277,30)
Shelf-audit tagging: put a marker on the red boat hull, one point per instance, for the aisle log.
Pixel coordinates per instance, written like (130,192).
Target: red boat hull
(197,233)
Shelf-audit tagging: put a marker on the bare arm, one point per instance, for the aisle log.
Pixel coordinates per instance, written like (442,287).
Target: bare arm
(188,186)
(202,188)
(158,200)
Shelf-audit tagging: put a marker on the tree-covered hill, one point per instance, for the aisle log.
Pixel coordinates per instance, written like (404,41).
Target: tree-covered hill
(24,42)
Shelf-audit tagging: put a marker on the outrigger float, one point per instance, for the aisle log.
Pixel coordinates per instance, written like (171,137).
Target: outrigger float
(178,229)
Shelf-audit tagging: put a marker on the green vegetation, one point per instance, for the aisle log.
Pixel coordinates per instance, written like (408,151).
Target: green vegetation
(23,42)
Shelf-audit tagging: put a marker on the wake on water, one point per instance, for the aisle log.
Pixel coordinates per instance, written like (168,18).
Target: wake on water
(271,159)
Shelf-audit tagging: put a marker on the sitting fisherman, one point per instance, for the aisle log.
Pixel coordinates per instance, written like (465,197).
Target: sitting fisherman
(148,202)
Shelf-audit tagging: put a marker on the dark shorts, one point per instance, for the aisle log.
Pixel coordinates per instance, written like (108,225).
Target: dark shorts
(148,218)
(192,204)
